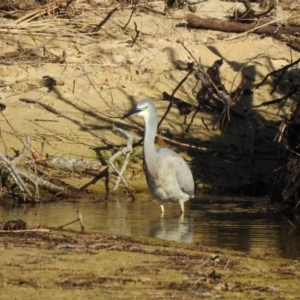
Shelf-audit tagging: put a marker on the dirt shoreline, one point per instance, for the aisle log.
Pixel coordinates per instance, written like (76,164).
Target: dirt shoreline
(64,264)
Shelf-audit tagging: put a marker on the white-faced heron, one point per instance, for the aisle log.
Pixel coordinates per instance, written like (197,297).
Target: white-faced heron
(168,175)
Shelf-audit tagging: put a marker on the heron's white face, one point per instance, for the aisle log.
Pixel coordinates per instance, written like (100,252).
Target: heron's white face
(142,109)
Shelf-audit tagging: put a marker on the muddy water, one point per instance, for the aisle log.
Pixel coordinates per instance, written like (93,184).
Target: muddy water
(221,222)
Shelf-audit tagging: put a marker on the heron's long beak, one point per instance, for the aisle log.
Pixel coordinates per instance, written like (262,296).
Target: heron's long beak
(132,112)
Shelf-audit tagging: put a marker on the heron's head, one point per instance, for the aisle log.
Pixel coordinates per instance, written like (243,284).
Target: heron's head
(143,108)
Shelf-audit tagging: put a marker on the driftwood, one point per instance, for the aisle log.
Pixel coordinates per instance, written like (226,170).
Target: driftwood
(29,183)
(226,26)
(68,164)
(55,186)
(9,168)
(42,230)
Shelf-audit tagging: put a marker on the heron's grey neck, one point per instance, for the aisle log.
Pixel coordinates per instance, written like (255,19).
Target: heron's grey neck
(149,137)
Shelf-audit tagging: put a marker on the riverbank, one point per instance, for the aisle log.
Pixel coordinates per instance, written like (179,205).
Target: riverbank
(64,265)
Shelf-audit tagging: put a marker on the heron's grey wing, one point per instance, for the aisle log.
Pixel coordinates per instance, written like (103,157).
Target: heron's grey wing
(181,170)
(184,176)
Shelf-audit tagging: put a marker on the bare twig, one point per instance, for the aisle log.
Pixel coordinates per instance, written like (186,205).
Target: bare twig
(175,90)
(291,92)
(127,151)
(3,115)
(72,222)
(80,221)
(283,69)
(193,117)
(242,68)
(111,107)
(3,142)
(137,33)
(132,12)
(98,27)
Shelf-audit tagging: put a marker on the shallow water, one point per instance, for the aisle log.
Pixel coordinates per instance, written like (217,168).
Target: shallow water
(221,222)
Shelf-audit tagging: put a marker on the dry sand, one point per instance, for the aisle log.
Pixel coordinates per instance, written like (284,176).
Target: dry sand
(105,75)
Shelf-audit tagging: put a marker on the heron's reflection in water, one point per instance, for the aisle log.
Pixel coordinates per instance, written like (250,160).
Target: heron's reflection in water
(179,229)
(254,233)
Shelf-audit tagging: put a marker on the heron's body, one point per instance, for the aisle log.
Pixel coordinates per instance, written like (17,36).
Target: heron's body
(168,175)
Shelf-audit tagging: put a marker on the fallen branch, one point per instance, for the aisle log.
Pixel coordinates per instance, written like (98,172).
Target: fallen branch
(225,26)
(58,190)
(10,166)
(20,176)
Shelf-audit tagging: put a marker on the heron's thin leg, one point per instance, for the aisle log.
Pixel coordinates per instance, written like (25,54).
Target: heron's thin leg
(181,202)
(162,209)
